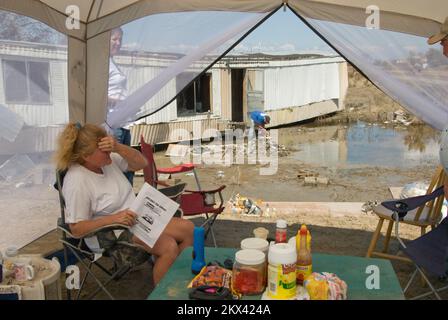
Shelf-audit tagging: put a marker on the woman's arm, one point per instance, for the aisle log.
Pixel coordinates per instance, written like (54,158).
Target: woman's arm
(134,158)
(82,228)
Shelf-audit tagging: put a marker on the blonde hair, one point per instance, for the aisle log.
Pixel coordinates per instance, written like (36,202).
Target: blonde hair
(77,142)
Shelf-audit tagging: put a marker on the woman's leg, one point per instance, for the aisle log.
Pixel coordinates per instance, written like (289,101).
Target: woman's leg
(166,250)
(181,230)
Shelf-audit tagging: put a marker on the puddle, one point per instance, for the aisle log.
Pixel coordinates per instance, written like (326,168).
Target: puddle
(362,144)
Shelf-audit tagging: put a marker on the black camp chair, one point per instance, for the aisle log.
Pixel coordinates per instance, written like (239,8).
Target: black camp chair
(428,252)
(124,254)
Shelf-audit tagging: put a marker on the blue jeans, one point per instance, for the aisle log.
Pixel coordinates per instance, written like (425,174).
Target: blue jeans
(123,136)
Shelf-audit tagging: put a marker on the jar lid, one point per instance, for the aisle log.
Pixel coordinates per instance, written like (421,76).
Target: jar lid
(11,251)
(255,243)
(250,257)
(282,223)
(282,253)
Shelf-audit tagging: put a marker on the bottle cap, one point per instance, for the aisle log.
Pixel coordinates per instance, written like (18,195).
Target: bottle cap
(282,223)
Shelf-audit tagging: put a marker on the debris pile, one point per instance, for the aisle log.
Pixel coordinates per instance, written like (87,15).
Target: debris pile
(244,205)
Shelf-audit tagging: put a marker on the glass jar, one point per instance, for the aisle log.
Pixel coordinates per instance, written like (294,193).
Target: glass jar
(248,277)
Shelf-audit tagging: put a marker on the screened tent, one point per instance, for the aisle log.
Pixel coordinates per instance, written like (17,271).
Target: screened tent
(88,43)
(389,48)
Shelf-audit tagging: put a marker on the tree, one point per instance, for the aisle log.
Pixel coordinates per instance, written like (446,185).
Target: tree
(22,28)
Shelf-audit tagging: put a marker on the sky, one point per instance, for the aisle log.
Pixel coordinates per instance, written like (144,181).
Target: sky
(282,33)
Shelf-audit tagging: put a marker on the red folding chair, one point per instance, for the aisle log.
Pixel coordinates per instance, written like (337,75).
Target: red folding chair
(151,171)
(192,203)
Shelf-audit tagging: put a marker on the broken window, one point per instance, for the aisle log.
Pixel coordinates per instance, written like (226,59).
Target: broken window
(195,98)
(26,82)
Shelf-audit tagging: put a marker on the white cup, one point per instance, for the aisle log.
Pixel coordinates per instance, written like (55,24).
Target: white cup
(23,271)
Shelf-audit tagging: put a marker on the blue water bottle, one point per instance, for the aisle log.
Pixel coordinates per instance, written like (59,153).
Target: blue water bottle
(198,250)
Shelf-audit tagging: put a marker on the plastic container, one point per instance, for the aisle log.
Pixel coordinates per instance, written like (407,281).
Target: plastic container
(282,259)
(280,232)
(249,272)
(11,252)
(292,241)
(261,233)
(304,260)
(256,244)
(261,245)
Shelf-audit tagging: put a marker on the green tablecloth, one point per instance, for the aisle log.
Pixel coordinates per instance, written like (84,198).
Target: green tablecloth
(350,269)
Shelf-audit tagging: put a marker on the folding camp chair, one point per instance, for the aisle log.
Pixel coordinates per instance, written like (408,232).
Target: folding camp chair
(426,215)
(192,203)
(125,255)
(151,171)
(428,252)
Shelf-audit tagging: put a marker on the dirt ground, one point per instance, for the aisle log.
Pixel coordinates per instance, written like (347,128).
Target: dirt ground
(342,235)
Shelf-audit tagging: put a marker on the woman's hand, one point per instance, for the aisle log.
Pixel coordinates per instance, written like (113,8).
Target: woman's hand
(108,144)
(125,217)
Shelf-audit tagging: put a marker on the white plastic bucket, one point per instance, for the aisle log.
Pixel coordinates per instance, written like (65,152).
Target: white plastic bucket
(282,259)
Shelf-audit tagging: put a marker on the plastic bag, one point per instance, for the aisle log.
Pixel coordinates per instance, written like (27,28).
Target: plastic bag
(212,275)
(325,286)
(414,189)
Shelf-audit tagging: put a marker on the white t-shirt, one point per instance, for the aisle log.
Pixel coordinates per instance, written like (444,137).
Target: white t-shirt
(117,87)
(89,195)
(117,82)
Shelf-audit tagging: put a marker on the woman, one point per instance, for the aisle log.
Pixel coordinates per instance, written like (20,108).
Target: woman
(97,194)
(117,91)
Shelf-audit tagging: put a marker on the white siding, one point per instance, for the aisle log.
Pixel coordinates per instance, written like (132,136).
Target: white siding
(40,114)
(59,90)
(139,76)
(44,114)
(216,91)
(286,87)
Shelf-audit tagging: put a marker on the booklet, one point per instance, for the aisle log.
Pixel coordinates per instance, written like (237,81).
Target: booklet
(154,210)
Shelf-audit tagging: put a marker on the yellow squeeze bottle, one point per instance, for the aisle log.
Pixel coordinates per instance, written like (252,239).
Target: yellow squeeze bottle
(304,259)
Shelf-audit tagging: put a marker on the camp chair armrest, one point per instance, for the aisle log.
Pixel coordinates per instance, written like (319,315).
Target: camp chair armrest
(207,191)
(177,169)
(162,183)
(66,229)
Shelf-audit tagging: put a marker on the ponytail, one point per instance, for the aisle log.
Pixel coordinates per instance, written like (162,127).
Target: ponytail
(76,142)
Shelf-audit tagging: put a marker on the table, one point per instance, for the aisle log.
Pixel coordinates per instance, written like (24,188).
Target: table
(46,282)
(352,270)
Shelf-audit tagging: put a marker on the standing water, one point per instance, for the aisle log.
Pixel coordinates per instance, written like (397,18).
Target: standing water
(361,144)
